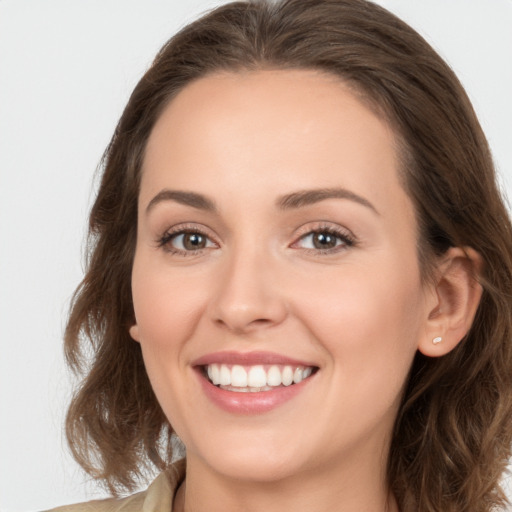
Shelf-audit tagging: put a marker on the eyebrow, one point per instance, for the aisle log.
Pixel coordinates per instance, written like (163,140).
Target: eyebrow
(308,197)
(192,199)
(289,201)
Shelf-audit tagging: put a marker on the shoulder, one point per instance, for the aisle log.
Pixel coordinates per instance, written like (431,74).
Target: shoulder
(130,504)
(157,497)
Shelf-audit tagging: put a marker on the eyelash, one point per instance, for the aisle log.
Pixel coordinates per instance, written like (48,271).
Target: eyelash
(164,241)
(344,236)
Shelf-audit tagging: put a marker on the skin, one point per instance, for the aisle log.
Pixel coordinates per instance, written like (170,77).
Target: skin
(358,311)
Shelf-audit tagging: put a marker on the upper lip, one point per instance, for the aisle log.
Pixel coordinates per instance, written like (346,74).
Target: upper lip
(248,359)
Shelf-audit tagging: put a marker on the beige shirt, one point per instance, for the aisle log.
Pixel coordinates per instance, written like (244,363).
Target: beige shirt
(158,497)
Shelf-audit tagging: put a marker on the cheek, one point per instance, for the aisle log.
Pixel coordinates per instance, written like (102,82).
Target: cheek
(167,304)
(368,319)
(368,325)
(167,307)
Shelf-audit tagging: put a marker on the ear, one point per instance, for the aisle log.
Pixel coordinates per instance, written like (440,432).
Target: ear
(134,332)
(453,301)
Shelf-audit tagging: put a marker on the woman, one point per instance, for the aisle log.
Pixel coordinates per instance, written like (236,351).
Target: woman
(301,265)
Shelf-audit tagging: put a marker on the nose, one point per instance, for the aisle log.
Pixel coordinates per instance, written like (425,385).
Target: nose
(248,296)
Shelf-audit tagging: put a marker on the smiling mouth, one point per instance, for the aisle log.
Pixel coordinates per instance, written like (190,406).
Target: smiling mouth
(256,378)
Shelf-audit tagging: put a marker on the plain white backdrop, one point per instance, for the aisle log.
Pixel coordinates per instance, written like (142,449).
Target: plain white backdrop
(67,68)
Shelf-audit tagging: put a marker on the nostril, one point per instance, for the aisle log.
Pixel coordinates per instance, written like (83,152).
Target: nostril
(260,321)
(241,327)
(240,305)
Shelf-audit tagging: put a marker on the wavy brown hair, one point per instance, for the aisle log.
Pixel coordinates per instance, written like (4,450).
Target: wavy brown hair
(452,436)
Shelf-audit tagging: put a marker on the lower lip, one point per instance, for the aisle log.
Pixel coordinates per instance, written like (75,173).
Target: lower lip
(250,403)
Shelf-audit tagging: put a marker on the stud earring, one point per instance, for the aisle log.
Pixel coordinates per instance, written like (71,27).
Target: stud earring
(437,340)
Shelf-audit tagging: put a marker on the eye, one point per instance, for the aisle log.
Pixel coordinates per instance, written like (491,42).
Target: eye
(185,241)
(190,241)
(325,240)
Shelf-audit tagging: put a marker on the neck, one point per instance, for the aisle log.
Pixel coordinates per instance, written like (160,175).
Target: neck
(328,489)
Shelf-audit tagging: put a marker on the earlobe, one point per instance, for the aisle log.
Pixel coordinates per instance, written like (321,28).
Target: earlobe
(456,295)
(134,332)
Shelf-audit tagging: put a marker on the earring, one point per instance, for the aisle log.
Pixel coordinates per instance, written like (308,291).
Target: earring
(437,340)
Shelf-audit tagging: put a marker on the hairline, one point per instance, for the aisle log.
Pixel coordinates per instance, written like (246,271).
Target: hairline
(403,152)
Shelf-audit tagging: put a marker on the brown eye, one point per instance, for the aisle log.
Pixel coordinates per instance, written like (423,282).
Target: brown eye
(193,241)
(186,242)
(324,240)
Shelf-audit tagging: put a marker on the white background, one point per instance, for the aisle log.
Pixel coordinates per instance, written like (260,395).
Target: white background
(66,70)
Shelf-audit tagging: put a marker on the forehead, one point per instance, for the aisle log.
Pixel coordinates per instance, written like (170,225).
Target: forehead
(286,126)
(307,97)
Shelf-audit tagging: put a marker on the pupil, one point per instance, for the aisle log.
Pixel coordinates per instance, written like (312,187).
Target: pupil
(193,241)
(324,241)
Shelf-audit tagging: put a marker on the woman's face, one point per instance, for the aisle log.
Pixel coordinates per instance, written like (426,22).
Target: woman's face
(275,242)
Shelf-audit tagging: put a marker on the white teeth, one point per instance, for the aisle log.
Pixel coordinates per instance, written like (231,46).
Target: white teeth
(274,376)
(214,373)
(238,377)
(256,378)
(287,377)
(297,375)
(225,376)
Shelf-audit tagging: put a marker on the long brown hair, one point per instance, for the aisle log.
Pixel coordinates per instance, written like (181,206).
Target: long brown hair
(452,437)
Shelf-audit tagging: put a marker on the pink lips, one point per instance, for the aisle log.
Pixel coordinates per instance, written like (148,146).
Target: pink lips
(247,359)
(250,402)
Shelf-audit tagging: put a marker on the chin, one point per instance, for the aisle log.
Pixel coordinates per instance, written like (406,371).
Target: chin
(265,468)
(262,462)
